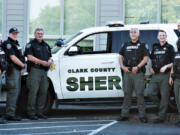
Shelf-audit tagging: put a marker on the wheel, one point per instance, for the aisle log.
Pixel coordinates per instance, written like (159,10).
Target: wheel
(21,108)
(172,102)
(49,102)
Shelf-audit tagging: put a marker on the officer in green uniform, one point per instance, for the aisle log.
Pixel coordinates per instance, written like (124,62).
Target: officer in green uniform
(175,77)
(161,58)
(38,54)
(133,57)
(3,66)
(178,30)
(16,62)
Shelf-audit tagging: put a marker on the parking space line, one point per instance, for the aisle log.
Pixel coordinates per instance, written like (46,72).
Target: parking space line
(51,127)
(36,122)
(58,118)
(102,128)
(64,132)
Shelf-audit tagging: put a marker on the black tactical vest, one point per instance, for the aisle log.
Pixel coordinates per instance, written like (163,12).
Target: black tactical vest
(132,55)
(176,64)
(160,57)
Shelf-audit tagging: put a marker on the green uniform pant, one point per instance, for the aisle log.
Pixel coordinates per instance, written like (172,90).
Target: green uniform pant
(159,84)
(0,83)
(133,82)
(37,84)
(13,85)
(177,95)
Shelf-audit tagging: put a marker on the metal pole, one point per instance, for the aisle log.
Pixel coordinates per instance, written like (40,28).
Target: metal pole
(159,8)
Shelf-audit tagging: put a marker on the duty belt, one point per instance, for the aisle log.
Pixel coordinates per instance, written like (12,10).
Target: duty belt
(38,66)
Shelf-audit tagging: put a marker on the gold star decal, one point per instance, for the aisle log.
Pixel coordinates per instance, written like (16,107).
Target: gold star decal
(53,67)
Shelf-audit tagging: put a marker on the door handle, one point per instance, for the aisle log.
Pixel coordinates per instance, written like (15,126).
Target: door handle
(108,62)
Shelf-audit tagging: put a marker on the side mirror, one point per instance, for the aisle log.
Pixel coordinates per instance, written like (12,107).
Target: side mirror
(59,42)
(73,50)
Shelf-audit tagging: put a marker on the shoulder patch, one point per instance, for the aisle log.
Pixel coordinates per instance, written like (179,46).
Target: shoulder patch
(8,46)
(28,46)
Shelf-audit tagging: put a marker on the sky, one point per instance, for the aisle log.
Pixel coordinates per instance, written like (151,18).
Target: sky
(37,5)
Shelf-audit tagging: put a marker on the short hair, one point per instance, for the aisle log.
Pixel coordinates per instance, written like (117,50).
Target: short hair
(162,31)
(38,29)
(136,29)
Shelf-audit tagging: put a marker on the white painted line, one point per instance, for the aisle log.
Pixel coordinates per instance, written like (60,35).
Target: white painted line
(64,132)
(68,118)
(36,122)
(51,127)
(102,128)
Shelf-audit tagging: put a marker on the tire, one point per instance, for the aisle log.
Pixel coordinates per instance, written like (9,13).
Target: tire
(49,102)
(172,102)
(21,108)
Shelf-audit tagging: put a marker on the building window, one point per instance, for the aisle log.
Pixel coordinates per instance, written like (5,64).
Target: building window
(170,11)
(45,14)
(141,11)
(78,14)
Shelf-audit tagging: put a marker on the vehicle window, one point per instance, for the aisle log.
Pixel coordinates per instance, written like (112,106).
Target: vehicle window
(96,43)
(119,37)
(66,41)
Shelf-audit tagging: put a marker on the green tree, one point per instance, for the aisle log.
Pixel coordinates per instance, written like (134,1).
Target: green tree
(170,11)
(1,16)
(140,11)
(79,14)
(49,20)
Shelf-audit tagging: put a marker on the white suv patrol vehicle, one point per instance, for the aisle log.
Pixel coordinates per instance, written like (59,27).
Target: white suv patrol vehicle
(81,76)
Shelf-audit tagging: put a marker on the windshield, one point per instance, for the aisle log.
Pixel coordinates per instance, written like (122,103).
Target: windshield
(57,48)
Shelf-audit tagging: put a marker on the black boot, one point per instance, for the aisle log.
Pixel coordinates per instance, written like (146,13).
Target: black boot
(122,118)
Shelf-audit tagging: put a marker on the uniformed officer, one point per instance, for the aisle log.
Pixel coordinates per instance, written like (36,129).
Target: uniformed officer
(133,57)
(161,59)
(175,77)
(178,31)
(38,54)
(16,62)
(3,66)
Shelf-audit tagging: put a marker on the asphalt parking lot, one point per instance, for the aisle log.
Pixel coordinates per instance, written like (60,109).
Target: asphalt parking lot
(54,126)
(79,120)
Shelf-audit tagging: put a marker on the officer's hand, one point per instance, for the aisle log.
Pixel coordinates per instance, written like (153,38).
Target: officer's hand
(152,71)
(44,63)
(163,69)
(0,71)
(134,70)
(23,66)
(50,62)
(170,81)
(125,69)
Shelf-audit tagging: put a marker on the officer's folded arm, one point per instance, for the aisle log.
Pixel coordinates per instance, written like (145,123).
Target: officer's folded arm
(143,62)
(17,61)
(38,61)
(171,77)
(124,68)
(163,69)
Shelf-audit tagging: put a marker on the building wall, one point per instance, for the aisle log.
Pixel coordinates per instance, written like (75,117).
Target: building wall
(106,11)
(15,14)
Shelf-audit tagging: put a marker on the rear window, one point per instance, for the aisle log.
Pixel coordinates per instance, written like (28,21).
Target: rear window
(119,37)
